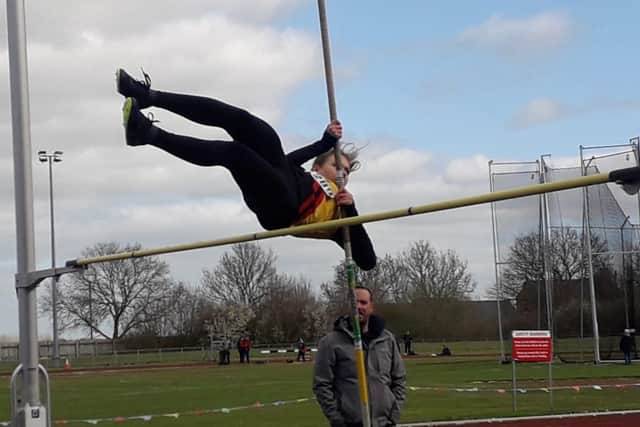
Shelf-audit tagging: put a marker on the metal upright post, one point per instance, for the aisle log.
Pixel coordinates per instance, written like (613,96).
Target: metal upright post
(27,410)
(548,271)
(514,395)
(635,142)
(90,313)
(587,237)
(496,260)
(626,274)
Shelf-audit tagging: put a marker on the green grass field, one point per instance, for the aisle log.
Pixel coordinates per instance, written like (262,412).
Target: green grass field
(569,349)
(431,394)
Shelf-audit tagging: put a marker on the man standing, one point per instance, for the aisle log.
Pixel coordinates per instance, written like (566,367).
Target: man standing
(407,338)
(226,351)
(335,378)
(244,347)
(626,346)
(302,349)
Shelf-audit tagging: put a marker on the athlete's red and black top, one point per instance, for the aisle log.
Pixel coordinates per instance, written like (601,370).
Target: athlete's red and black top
(317,206)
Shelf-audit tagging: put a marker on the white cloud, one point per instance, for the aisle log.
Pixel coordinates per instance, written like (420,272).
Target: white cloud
(538,111)
(397,163)
(474,168)
(545,110)
(520,38)
(75,18)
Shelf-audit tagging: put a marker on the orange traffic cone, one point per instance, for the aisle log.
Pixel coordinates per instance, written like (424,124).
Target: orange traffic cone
(67,365)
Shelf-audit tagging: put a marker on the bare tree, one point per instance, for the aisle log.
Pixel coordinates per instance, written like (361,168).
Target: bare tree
(386,282)
(567,257)
(115,297)
(417,273)
(173,315)
(524,264)
(436,275)
(378,280)
(242,276)
(290,310)
(337,295)
(184,304)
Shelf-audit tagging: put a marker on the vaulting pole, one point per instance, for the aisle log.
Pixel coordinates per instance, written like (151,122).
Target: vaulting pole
(346,238)
(620,176)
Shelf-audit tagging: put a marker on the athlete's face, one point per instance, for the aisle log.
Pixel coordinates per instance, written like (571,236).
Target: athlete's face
(328,168)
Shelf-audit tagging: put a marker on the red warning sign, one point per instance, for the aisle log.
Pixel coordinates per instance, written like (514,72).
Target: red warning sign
(531,346)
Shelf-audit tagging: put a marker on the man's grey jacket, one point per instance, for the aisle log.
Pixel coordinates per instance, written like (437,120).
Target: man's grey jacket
(335,378)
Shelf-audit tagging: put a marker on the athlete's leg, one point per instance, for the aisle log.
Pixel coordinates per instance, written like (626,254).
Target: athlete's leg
(268,191)
(242,126)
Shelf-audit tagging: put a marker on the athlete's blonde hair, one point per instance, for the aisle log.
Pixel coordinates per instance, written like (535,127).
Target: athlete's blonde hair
(348,150)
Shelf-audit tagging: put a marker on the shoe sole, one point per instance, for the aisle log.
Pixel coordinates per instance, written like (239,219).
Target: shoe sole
(127,107)
(118,80)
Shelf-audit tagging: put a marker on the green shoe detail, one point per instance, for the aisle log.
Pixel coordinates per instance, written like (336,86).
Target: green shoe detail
(136,125)
(126,111)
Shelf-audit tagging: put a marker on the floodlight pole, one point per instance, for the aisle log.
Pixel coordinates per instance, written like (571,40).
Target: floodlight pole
(50,159)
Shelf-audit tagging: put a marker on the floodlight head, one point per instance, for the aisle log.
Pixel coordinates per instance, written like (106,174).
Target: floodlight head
(42,156)
(57,156)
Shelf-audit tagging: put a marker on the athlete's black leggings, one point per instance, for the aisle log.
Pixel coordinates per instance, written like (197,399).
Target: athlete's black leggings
(255,157)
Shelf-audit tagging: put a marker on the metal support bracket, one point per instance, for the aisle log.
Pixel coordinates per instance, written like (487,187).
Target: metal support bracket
(33,278)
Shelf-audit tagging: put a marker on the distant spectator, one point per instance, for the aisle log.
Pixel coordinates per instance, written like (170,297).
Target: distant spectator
(302,350)
(226,351)
(407,339)
(626,346)
(445,351)
(244,348)
(220,353)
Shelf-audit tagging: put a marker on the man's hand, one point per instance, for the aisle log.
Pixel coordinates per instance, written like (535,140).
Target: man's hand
(344,198)
(335,129)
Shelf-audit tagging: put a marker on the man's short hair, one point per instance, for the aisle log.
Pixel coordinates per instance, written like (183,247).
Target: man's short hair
(366,289)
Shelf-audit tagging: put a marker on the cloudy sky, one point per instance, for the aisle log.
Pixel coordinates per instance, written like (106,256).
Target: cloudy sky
(434,90)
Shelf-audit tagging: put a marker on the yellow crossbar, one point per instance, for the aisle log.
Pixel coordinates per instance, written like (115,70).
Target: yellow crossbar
(530,190)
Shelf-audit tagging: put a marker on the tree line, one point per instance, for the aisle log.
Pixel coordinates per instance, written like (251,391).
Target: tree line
(244,292)
(616,276)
